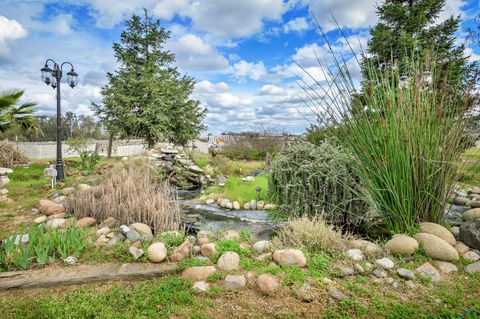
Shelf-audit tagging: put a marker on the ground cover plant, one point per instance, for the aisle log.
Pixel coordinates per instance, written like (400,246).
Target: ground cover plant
(309,180)
(43,247)
(130,194)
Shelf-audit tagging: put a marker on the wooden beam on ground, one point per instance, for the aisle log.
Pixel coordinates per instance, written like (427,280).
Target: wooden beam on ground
(81,274)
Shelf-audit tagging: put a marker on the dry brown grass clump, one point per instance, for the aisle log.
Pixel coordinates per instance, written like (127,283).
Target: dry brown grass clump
(312,235)
(9,156)
(131,194)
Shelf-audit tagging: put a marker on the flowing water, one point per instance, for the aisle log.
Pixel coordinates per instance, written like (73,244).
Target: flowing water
(211,217)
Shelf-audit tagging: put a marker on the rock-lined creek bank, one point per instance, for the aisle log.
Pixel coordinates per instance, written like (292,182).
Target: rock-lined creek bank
(198,217)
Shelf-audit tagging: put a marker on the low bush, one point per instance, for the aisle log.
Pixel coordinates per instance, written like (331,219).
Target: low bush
(131,194)
(253,146)
(88,159)
(226,166)
(310,234)
(309,180)
(9,156)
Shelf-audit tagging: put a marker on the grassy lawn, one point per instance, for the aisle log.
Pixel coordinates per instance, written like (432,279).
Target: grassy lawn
(172,297)
(225,166)
(471,162)
(237,190)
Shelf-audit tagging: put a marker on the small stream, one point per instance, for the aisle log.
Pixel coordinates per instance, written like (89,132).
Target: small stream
(211,217)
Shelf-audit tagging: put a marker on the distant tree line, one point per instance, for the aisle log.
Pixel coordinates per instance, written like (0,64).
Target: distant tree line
(73,127)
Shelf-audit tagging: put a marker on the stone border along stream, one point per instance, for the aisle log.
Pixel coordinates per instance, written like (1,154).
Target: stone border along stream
(82,274)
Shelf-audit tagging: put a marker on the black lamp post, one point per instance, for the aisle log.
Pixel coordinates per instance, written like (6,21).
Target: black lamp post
(53,77)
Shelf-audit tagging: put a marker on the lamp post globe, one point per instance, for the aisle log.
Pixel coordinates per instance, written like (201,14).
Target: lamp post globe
(53,77)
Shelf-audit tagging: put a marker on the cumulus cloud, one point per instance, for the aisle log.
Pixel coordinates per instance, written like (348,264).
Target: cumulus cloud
(296,25)
(270,89)
(193,53)
(223,18)
(244,69)
(110,12)
(10,30)
(206,86)
(349,14)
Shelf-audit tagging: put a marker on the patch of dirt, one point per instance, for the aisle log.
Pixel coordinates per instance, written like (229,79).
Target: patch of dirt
(250,303)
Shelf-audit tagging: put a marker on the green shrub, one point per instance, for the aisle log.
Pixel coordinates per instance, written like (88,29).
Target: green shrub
(310,180)
(253,146)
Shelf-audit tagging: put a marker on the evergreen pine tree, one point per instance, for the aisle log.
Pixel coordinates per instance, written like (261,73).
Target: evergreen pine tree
(408,28)
(147,97)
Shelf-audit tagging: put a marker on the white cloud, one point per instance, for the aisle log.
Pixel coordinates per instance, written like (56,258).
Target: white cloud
(349,14)
(110,12)
(223,18)
(206,86)
(192,53)
(166,9)
(270,89)
(296,25)
(228,100)
(452,7)
(9,30)
(244,69)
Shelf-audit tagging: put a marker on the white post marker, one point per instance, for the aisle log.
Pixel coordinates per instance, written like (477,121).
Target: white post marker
(52,173)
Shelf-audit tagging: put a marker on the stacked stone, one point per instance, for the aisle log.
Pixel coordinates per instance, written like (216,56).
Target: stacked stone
(4,180)
(179,167)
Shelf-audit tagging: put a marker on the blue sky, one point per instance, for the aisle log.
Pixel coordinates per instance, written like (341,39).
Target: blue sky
(239,51)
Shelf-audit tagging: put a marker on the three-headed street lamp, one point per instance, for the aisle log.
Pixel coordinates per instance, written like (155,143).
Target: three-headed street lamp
(52,77)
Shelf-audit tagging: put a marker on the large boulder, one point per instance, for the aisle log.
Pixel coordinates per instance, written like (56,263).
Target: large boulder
(470,233)
(402,245)
(370,249)
(436,247)
(472,267)
(428,270)
(439,231)
(208,250)
(203,237)
(157,252)
(229,260)
(261,246)
(198,273)
(472,214)
(233,282)
(49,207)
(109,222)
(290,257)
(86,222)
(142,229)
(181,251)
(267,284)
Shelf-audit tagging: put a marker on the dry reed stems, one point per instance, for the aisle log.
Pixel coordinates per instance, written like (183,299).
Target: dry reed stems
(130,195)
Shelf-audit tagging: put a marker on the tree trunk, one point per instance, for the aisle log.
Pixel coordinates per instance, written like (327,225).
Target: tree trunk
(110,144)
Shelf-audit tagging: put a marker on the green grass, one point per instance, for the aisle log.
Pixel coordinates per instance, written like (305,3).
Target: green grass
(151,299)
(237,190)
(200,159)
(470,167)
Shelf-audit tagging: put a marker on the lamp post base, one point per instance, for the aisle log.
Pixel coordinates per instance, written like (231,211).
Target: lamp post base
(59,168)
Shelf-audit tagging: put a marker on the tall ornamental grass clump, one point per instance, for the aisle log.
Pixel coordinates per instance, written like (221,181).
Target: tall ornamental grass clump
(406,138)
(310,180)
(131,194)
